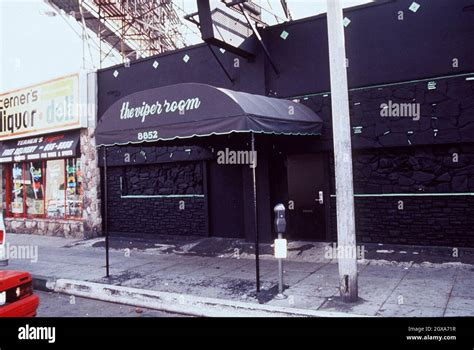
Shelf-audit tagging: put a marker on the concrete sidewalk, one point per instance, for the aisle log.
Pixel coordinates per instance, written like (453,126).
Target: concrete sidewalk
(385,288)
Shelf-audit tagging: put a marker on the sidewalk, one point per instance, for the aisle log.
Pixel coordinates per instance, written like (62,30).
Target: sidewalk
(385,288)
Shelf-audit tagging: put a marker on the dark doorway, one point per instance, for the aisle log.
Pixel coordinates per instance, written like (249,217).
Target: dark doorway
(225,200)
(308,191)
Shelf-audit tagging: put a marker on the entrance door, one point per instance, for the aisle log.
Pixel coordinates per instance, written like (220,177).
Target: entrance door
(225,200)
(308,189)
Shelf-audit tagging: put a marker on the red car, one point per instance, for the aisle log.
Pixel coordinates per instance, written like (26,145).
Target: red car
(16,288)
(16,294)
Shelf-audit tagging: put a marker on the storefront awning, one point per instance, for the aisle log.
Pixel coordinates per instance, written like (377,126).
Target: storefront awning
(60,145)
(190,109)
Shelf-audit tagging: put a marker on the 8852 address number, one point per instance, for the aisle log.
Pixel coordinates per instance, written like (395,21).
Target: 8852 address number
(147,135)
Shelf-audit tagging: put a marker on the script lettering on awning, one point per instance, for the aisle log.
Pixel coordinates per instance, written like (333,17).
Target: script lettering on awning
(157,108)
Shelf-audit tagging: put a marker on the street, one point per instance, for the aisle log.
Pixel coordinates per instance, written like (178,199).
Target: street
(61,305)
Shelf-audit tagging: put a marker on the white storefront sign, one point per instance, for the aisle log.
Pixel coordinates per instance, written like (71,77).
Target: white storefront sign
(55,105)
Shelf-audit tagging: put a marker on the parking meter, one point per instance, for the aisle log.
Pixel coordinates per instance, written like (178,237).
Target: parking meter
(280,219)
(280,244)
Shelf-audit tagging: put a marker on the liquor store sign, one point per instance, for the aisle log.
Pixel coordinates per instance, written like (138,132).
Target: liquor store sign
(43,108)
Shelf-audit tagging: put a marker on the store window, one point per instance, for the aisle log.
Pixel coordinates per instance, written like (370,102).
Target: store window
(55,196)
(50,189)
(73,188)
(34,187)
(17,183)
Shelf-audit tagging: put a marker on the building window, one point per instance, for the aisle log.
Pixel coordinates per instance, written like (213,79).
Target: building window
(73,188)
(55,189)
(17,197)
(48,189)
(34,187)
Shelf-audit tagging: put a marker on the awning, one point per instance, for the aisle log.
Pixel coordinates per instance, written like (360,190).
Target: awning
(191,109)
(60,145)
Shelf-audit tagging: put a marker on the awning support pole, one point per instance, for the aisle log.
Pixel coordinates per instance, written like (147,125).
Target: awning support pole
(255,213)
(106,229)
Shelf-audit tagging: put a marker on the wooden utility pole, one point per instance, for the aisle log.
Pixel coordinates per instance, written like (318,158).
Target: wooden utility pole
(341,128)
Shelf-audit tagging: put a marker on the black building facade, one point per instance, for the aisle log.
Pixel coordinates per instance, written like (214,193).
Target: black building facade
(413,172)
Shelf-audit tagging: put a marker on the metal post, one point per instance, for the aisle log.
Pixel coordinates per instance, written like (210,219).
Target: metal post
(220,64)
(280,274)
(259,38)
(346,237)
(255,212)
(280,227)
(106,229)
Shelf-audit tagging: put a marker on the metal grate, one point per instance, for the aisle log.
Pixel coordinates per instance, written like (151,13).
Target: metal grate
(229,28)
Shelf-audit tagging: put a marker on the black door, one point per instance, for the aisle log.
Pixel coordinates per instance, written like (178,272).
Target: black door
(225,200)
(308,192)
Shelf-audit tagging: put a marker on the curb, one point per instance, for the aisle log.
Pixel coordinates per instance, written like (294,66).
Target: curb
(43,283)
(179,303)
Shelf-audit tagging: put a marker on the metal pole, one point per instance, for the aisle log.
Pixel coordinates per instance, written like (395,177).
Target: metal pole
(280,273)
(220,63)
(255,213)
(106,229)
(280,276)
(259,38)
(346,237)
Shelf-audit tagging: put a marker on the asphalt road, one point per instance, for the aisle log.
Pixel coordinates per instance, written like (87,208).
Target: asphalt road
(61,305)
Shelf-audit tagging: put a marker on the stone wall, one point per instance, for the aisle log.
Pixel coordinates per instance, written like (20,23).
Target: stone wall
(425,195)
(166,179)
(46,227)
(152,154)
(431,169)
(157,199)
(92,217)
(446,114)
(426,221)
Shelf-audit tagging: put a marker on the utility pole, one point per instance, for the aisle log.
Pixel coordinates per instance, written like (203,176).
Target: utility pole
(346,238)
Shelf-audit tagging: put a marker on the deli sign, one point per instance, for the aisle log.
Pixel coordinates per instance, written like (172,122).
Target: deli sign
(43,108)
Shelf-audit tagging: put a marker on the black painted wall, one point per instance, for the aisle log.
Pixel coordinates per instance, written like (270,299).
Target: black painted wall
(165,216)
(446,114)
(427,169)
(392,155)
(155,154)
(426,221)
(184,178)
(380,48)
(419,195)
(188,167)
(201,67)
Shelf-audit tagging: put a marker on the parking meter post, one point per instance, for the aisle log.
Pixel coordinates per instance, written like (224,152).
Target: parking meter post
(280,272)
(280,227)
